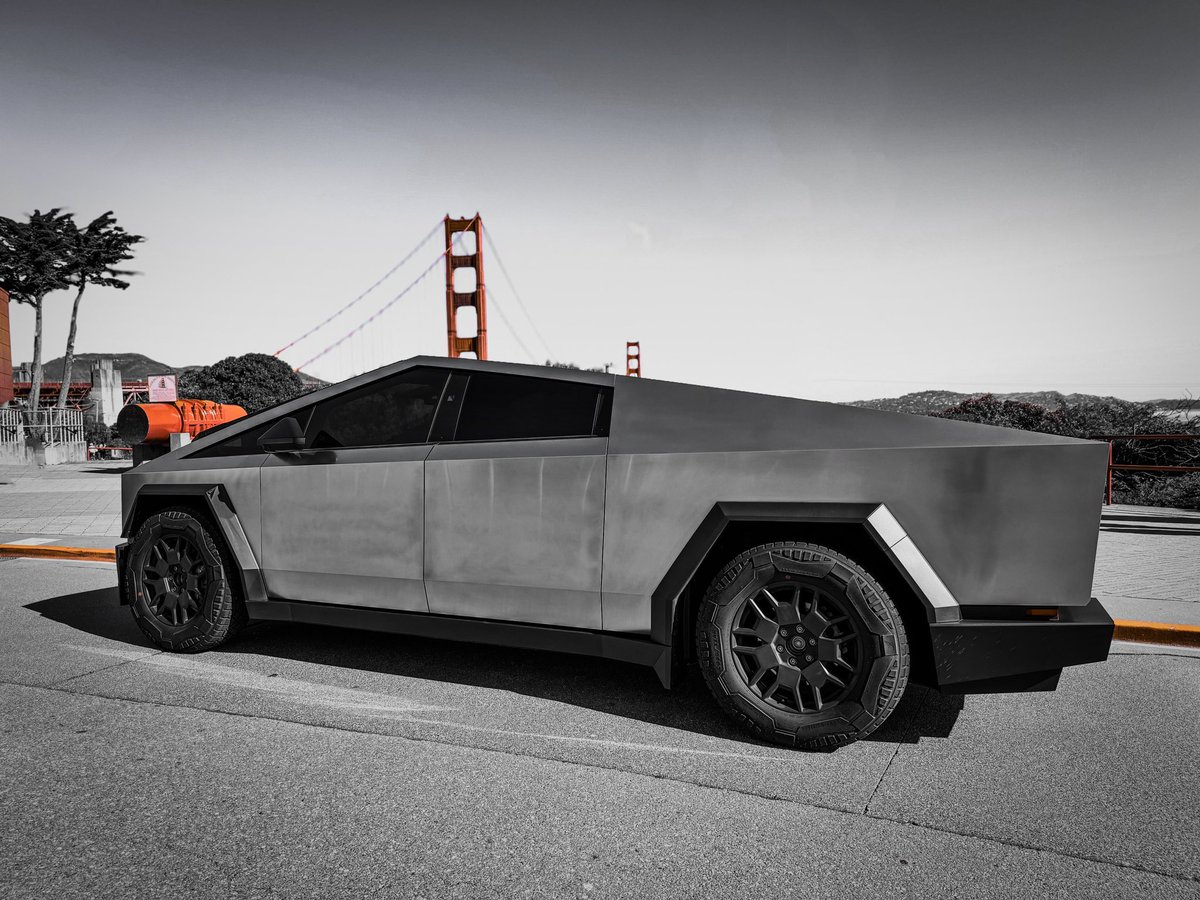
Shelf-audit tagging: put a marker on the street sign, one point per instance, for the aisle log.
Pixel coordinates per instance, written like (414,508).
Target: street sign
(162,388)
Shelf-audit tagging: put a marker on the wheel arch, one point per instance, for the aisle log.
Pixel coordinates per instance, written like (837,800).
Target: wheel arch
(866,532)
(209,499)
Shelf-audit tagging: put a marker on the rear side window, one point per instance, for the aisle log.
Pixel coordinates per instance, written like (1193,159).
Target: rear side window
(514,407)
(397,410)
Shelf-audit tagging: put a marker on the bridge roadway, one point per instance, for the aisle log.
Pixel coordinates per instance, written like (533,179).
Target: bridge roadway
(302,762)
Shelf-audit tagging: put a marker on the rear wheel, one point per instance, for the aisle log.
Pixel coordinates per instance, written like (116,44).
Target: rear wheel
(180,583)
(802,646)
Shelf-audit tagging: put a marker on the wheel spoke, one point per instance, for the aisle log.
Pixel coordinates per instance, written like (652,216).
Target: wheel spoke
(765,657)
(798,695)
(174,578)
(769,679)
(160,566)
(812,676)
(829,676)
(829,649)
(814,621)
(815,675)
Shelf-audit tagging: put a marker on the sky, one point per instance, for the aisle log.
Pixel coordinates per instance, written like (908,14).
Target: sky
(830,200)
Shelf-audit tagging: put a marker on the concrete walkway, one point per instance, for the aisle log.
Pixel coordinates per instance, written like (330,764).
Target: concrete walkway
(76,499)
(1147,563)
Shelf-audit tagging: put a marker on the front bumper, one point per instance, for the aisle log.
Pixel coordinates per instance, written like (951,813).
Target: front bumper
(989,656)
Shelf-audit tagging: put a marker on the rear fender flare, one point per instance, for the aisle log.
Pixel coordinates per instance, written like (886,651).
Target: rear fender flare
(938,602)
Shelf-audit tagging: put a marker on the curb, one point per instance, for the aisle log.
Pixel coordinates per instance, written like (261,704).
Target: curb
(1156,633)
(1123,629)
(50,551)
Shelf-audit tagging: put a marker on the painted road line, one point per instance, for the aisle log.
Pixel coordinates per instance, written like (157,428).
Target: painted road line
(100,554)
(1156,633)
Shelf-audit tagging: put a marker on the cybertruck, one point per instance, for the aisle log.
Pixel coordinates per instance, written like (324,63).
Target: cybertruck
(811,558)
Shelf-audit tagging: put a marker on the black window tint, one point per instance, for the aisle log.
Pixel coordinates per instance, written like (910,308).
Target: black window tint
(244,444)
(398,410)
(511,407)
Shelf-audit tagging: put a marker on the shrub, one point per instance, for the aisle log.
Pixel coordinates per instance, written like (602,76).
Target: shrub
(253,381)
(1097,419)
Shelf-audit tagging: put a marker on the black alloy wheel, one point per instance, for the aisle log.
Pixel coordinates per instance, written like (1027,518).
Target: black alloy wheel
(175,579)
(180,582)
(800,645)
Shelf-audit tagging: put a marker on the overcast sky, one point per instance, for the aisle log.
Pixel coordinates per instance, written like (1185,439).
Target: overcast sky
(831,200)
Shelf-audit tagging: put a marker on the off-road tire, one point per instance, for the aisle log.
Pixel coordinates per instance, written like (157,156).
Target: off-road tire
(220,611)
(882,652)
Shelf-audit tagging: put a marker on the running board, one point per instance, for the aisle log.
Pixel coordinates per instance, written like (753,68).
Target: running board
(474,631)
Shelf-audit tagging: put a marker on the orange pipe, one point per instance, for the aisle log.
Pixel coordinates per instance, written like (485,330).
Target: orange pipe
(154,423)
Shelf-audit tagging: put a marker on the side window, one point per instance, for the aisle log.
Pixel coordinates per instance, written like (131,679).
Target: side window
(244,444)
(513,407)
(398,410)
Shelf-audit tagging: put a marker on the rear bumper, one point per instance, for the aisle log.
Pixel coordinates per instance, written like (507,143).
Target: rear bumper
(987,656)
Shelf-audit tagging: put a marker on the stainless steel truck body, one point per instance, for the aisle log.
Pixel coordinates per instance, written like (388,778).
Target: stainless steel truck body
(807,554)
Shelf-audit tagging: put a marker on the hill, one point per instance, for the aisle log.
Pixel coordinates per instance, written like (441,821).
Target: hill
(133,367)
(925,402)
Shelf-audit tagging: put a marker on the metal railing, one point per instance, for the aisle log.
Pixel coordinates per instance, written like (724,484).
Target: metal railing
(57,426)
(1136,467)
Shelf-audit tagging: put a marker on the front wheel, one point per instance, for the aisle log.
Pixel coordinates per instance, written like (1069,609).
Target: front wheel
(802,646)
(180,583)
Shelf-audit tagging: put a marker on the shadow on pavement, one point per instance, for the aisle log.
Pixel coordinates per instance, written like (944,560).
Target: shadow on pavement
(95,612)
(604,685)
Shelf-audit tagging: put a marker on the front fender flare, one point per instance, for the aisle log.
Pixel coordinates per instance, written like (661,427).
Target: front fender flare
(220,508)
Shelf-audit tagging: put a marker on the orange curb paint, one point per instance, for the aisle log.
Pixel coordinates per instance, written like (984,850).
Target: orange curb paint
(1156,633)
(50,551)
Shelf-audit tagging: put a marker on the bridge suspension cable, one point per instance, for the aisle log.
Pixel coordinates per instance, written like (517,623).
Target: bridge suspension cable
(386,275)
(446,251)
(487,235)
(375,315)
(511,330)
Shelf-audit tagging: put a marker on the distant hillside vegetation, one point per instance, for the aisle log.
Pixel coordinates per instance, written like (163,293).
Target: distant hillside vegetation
(134,367)
(923,403)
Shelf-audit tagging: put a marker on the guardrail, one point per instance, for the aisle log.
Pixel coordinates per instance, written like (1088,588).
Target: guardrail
(93,450)
(1134,467)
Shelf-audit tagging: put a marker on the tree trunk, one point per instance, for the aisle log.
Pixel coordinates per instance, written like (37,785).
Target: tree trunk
(35,388)
(69,358)
(34,435)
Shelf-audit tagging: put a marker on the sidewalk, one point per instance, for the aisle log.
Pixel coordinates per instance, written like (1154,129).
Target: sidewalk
(1147,562)
(76,499)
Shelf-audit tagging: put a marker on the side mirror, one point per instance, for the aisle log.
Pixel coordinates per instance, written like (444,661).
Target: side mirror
(285,436)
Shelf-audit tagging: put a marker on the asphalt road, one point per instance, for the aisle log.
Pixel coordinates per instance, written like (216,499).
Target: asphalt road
(303,762)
